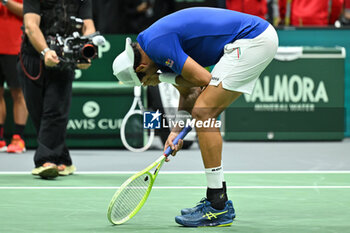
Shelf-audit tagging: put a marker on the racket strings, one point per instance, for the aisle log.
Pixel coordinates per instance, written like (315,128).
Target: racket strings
(130,197)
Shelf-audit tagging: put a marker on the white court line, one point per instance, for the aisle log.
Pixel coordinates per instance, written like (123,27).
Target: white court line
(189,172)
(175,187)
(226,172)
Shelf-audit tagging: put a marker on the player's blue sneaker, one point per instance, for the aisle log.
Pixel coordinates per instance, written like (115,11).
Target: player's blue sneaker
(199,205)
(207,216)
(202,202)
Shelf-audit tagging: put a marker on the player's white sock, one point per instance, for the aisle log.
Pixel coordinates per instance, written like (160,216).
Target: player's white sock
(215,177)
(222,173)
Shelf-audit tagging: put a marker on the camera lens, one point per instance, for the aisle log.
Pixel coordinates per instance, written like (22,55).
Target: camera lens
(88,51)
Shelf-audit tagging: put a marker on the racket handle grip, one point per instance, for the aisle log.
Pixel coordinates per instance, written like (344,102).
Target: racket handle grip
(181,135)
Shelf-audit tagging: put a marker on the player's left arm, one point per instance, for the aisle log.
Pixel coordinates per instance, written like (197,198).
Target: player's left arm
(194,74)
(188,97)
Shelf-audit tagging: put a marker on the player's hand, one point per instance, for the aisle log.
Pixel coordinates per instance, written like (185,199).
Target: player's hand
(169,142)
(84,66)
(51,58)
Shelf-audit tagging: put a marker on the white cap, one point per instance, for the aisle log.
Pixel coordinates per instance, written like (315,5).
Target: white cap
(123,66)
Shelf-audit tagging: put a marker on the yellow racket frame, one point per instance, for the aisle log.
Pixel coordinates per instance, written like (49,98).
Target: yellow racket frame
(158,164)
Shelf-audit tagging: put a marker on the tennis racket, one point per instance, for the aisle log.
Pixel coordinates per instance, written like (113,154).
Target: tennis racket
(132,112)
(133,193)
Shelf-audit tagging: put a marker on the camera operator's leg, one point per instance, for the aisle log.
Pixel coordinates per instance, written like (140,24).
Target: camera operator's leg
(44,159)
(32,90)
(52,134)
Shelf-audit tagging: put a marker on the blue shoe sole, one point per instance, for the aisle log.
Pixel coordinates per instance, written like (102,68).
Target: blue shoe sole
(223,224)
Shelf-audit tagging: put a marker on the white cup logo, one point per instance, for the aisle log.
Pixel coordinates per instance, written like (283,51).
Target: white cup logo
(91,109)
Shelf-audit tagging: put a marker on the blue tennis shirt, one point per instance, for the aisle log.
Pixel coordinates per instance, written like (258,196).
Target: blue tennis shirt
(199,32)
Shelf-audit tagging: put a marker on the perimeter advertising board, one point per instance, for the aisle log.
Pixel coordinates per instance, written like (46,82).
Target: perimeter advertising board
(300,96)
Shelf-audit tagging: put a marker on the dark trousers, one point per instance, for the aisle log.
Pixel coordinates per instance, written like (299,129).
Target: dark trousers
(48,101)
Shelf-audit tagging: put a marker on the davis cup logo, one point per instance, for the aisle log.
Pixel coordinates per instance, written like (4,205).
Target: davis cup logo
(91,109)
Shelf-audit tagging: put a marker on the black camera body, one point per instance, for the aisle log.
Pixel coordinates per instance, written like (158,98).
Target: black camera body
(75,48)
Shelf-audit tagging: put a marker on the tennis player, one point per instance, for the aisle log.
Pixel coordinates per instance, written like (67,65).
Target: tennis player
(181,45)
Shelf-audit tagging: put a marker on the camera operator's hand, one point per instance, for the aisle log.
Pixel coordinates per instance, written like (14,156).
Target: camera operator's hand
(51,58)
(84,66)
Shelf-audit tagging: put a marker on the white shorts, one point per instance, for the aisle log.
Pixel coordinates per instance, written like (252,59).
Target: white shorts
(244,60)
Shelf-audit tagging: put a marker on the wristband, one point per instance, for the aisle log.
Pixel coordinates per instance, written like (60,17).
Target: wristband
(42,53)
(4,2)
(168,78)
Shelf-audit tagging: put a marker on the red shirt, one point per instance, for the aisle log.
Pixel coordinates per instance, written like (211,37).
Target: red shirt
(253,7)
(10,31)
(347,4)
(315,12)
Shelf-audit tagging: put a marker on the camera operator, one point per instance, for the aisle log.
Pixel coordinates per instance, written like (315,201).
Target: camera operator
(47,85)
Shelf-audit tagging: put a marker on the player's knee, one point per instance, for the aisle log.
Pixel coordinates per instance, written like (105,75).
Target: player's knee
(201,114)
